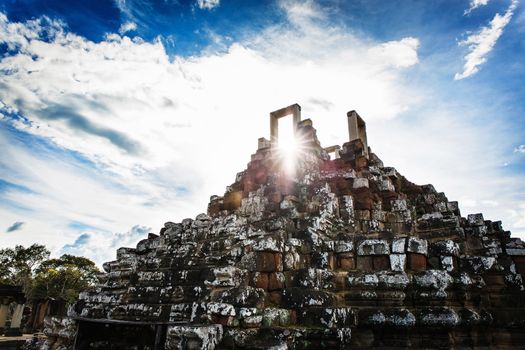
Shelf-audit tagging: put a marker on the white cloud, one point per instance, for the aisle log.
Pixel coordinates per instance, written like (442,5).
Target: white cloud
(166,133)
(90,241)
(474,4)
(127,27)
(208,4)
(520,149)
(481,43)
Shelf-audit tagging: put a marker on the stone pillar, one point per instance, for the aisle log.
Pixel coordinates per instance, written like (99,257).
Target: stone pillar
(357,129)
(293,110)
(16,320)
(3,316)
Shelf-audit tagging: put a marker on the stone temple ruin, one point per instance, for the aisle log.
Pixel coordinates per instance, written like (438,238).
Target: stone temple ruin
(341,253)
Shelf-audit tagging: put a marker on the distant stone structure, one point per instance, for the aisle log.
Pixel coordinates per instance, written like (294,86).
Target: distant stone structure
(343,253)
(12,301)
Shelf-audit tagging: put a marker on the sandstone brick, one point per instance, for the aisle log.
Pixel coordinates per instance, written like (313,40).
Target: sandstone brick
(416,262)
(365,263)
(266,262)
(232,200)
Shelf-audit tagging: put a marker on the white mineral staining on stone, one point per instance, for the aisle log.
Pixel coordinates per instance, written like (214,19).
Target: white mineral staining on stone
(393,280)
(399,205)
(447,263)
(481,264)
(208,337)
(373,247)
(276,317)
(439,317)
(386,185)
(397,262)
(363,280)
(151,275)
(344,246)
(360,182)
(253,206)
(334,317)
(432,216)
(222,309)
(247,312)
(433,279)
(399,318)
(514,280)
(445,247)
(417,245)
(227,276)
(398,245)
(475,219)
(268,244)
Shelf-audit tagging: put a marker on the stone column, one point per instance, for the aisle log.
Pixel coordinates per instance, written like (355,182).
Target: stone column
(3,316)
(293,110)
(357,129)
(16,320)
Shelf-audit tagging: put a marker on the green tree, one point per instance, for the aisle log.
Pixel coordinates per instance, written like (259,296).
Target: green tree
(17,265)
(64,277)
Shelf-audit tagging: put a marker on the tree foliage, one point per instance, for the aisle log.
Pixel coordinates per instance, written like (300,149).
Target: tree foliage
(18,265)
(64,277)
(41,277)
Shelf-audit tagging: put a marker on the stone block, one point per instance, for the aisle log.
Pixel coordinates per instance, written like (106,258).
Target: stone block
(260,280)
(232,200)
(475,219)
(397,262)
(373,247)
(381,262)
(275,281)
(416,262)
(447,263)
(398,245)
(266,262)
(346,262)
(417,245)
(364,263)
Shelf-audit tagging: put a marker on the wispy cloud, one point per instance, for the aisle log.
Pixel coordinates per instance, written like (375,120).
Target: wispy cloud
(127,27)
(480,44)
(474,4)
(520,149)
(145,130)
(89,243)
(16,226)
(208,4)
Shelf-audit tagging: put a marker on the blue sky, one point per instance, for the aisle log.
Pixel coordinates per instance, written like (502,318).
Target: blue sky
(116,116)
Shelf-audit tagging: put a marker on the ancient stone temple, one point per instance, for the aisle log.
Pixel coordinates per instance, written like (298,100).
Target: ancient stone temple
(337,251)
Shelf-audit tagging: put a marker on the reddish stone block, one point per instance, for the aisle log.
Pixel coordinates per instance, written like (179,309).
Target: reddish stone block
(214,208)
(275,198)
(519,261)
(248,184)
(278,258)
(365,263)
(266,262)
(494,279)
(381,262)
(275,281)
(261,176)
(260,280)
(275,298)
(346,262)
(232,200)
(361,162)
(416,262)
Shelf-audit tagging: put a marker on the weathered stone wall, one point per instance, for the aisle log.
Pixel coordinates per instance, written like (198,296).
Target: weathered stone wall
(344,253)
